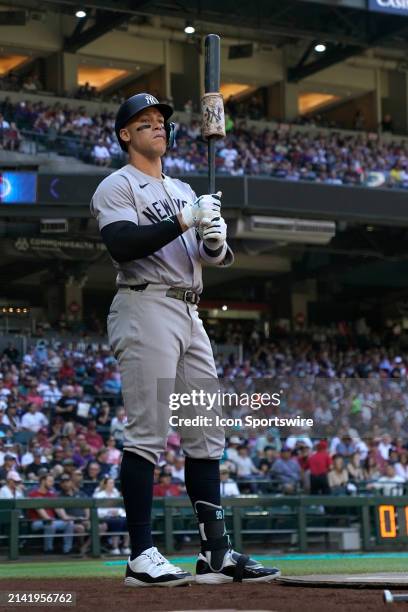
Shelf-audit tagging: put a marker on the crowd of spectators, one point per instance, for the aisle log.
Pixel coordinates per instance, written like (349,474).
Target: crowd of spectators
(62,423)
(287,153)
(283,152)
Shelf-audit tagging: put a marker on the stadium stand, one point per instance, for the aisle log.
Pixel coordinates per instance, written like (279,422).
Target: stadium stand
(283,151)
(61,426)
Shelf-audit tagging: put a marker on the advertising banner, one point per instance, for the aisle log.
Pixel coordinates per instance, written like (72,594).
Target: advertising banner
(397,7)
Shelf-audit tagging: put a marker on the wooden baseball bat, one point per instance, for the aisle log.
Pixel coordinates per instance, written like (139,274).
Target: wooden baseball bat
(212,85)
(394,597)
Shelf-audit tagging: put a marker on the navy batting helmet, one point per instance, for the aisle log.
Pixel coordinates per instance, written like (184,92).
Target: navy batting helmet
(137,103)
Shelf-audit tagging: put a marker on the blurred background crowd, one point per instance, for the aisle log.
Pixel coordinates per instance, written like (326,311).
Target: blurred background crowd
(281,151)
(62,423)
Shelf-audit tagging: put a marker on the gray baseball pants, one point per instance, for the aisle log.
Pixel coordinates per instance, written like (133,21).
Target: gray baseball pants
(162,348)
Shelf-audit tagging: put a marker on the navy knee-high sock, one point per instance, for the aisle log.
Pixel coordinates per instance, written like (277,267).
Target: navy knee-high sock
(136,477)
(202,478)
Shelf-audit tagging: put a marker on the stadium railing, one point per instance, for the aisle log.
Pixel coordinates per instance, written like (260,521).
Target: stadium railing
(300,516)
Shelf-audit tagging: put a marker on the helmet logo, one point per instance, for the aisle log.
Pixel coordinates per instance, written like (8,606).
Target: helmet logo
(151,100)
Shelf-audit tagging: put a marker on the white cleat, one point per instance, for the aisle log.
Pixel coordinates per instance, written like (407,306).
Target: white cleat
(150,568)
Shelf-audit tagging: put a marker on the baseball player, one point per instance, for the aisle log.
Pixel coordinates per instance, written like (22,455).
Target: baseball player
(158,233)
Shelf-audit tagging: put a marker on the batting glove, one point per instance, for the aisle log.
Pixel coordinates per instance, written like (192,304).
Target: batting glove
(213,232)
(205,207)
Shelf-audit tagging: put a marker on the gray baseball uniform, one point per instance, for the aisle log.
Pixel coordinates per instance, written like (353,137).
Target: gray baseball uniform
(155,337)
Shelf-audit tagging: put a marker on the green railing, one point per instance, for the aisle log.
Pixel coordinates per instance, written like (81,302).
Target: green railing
(379,520)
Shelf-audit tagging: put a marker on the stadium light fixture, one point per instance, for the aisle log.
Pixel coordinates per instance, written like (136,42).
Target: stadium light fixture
(320,47)
(189,28)
(80,13)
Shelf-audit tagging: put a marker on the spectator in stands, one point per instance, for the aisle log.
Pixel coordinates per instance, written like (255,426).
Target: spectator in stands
(114,517)
(82,454)
(68,464)
(298,438)
(103,419)
(52,394)
(66,373)
(91,478)
(9,465)
(79,515)
(165,488)
(112,385)
(245,466)
(286,471)
(371,468)
(401,466)
(34,419)
(57,457)
(33,396)
(355,470)
(229,487)
(346,447)
(11,419)
(3,419)
(338,477)
(319,464)
(93,438)
(33,469)
(385,446)
(12,137)
(49,520)
(113,454)
(232,448)
(13,489)
(177,470)
(100,154)
(4,391)
(4,126)
(67,405)
(105,468)
(389,484)
(268,455)
(118,425)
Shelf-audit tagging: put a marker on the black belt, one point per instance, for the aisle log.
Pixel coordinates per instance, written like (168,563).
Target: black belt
(187,295)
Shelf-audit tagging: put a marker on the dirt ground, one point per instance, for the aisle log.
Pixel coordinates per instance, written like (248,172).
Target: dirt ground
(106,594)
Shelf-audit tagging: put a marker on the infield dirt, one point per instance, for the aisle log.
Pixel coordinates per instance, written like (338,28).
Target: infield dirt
(105,594)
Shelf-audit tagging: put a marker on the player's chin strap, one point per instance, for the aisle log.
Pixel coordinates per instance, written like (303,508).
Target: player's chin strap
(170,128)
(214,539)
(170,134)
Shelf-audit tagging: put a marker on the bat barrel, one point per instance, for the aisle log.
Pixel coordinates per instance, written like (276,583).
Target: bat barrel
(212,63)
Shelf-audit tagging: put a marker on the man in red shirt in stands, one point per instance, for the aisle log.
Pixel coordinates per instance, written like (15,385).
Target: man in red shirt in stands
(50,520)
(165,488)
(93,438)
(66,372)
(319,465)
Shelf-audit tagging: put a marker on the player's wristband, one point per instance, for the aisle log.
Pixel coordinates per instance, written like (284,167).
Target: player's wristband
(213,252)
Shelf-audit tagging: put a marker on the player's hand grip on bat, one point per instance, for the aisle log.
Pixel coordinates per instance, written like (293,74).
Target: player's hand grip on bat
(213,232)
(206,206)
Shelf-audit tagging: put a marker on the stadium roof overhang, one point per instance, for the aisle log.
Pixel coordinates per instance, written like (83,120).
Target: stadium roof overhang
(345,26)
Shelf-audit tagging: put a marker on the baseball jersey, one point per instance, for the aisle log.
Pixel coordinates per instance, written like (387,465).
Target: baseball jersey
(131,195)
